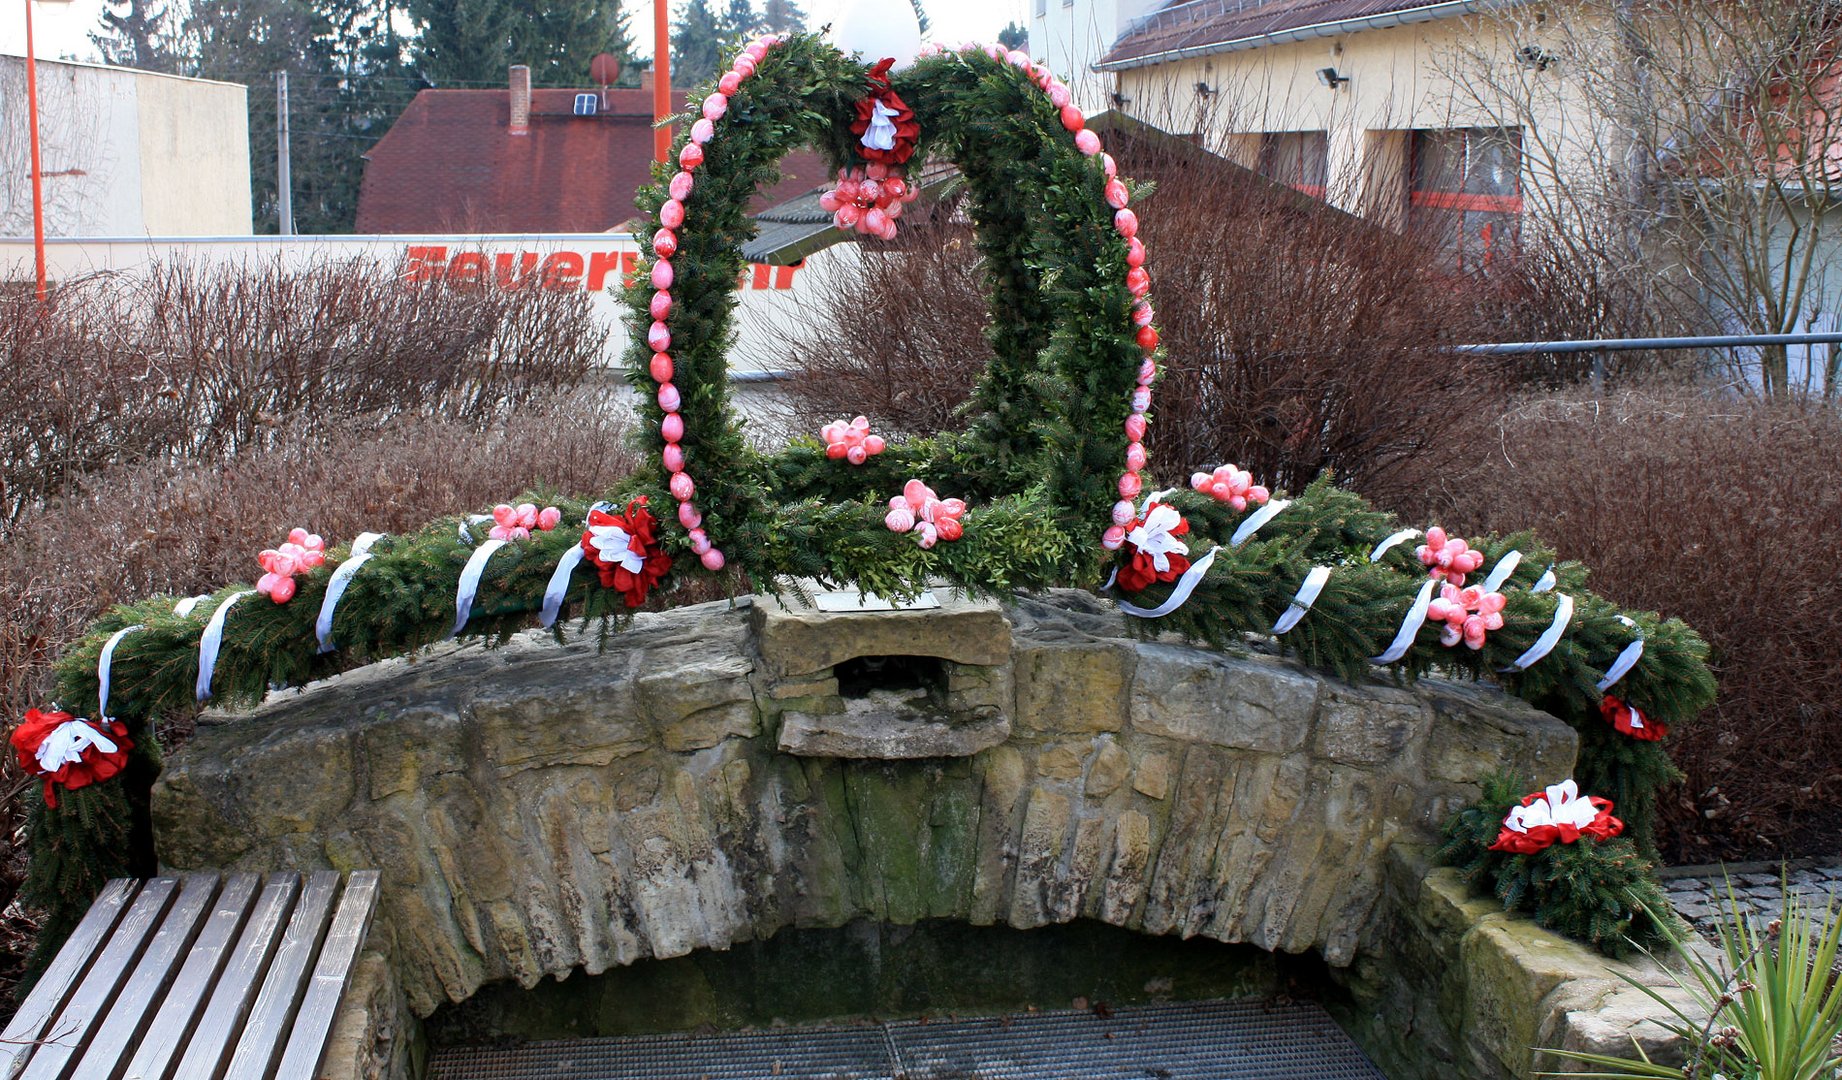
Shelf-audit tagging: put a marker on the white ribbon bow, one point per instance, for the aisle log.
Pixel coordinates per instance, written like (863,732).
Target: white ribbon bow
(66,743)
(615,545)
(1154,537)
(1560,805)
(881,133)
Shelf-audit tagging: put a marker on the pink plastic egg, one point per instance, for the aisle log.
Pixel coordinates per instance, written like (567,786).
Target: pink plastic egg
(682,487)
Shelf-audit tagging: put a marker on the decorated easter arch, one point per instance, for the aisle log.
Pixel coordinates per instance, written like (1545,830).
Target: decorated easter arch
(1052,420)
(1042,488)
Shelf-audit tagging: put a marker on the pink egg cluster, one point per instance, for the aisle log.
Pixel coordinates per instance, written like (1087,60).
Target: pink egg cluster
(659,335)
(518,522)
(1138,280)
(1448,557)
(851,440)
(1467,613)
(918,510)
(1233,486)
(302,552)
(869,199)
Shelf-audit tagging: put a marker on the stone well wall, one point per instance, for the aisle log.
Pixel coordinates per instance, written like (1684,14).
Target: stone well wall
(716,773)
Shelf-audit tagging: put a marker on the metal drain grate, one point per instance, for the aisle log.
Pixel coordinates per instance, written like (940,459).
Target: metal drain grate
(1215,1040)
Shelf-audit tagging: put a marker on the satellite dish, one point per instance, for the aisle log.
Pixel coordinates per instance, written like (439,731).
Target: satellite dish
(604,69)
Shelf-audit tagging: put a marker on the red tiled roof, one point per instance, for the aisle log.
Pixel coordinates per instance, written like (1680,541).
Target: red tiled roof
(450,164)
(1198,24)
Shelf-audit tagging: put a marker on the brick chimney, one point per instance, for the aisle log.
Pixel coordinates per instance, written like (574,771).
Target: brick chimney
(521,101)
(646,80)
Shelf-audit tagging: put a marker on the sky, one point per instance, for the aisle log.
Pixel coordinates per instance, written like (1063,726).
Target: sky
(62,28)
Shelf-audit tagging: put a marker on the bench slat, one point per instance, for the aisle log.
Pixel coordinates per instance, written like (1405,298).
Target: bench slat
(313,1024)
(267,1030)
(217,1030)
(166,1037)
(54,987)
(145,991)
(96,992)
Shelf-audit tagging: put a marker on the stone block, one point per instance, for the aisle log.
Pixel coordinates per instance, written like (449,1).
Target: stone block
(1152,777)
(853,734)
(1060,762)
(1370,727)
(698,695)
(1240,702)
(798,640)
(1483,730)
(1073,687)
(1109,770)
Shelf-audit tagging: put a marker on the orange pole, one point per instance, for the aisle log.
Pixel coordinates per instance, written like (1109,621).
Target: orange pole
(38,199)
(661,79)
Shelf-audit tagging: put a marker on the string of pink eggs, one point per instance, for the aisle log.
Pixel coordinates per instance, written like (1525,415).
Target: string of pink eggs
(659,335)
(1138,279)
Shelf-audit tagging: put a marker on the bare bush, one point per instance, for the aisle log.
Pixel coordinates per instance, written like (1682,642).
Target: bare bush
(1300,339)
(1724,511)
(182,362)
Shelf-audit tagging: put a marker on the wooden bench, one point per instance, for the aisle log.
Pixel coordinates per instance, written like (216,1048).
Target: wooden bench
(195,977)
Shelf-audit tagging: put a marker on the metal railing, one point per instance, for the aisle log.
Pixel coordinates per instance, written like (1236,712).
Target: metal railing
(1526,348)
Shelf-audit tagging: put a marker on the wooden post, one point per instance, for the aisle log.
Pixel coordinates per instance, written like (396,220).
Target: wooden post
(661,79)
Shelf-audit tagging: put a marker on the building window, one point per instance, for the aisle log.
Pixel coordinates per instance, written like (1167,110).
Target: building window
(1042,8)
(1465,188)
(1298,159)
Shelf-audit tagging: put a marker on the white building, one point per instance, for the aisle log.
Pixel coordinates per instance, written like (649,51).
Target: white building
(124,152)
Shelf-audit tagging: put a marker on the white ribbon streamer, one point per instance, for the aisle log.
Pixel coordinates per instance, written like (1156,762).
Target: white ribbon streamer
(1410,626)
(1501,572)
(1382,548)
(185,607)
(335,587)
(559,585)
(1545,582)
(103,664)
(1563,612)
(1256,520)
(1626,659)
(1185,586)
(212,640)
(880,134)
(1301,602)
(470,582)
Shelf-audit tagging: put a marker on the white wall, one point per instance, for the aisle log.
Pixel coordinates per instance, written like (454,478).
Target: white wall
(1070,36)
(124,152)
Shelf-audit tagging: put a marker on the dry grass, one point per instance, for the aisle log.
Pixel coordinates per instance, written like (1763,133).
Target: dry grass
(1725,511)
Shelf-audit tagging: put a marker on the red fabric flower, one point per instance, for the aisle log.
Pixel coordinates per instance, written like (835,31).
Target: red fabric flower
(1630,720)
(907,128)
(626,551)
(1151,541)
(70,752)
(1559,814)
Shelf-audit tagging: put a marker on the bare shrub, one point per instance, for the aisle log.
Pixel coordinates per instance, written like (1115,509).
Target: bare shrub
(138,529)
(184,362)
(1725,511)
(1300,339)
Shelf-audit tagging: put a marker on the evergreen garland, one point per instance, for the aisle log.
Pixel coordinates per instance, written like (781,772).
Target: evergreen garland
(1604,893)
(1036,464)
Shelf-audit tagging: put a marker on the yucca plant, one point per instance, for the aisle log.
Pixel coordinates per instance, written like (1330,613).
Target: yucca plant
(1772,1002)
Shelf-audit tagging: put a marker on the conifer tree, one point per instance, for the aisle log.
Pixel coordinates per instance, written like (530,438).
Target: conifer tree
(783,17)
(697,44)
(140,36)
(1014,36)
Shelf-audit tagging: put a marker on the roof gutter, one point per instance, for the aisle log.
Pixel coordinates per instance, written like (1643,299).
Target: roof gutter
(1445,9)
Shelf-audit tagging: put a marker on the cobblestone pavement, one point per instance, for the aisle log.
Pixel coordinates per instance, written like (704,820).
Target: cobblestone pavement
(1700,893)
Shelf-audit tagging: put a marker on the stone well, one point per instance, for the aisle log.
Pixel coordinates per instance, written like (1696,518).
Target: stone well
(714,774)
